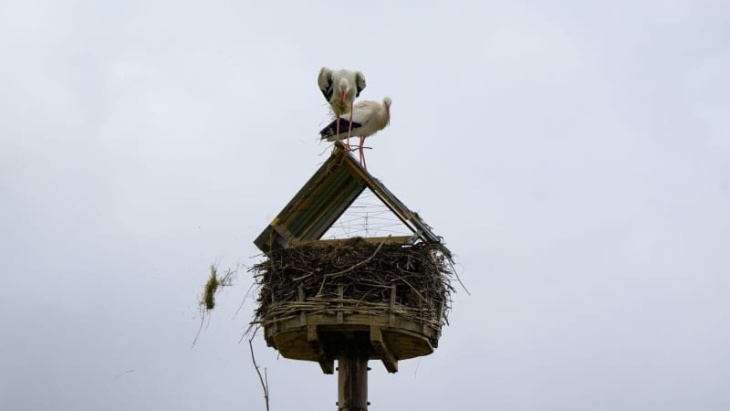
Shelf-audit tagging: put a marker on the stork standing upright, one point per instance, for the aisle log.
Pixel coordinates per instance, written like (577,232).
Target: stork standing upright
(366,119)
(340,88)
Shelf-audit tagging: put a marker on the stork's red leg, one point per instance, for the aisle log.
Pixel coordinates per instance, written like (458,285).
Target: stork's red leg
(337,132)
(349,129)
(347,141)
(362,153)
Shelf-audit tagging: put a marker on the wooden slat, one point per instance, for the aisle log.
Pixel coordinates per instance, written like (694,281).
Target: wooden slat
(403,239)
(326,364)
(284,232)
(381,348)
(340,293)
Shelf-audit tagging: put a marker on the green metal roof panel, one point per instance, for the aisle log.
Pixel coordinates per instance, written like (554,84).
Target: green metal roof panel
(326,196)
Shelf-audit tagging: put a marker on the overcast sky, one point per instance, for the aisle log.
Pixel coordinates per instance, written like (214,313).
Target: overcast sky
(574,155)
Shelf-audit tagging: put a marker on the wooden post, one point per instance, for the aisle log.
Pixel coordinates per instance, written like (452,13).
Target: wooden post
(352,377)
(391,315)
(340,296)
(381,348)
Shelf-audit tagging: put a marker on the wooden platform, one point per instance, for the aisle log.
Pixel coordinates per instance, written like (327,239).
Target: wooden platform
(318,337)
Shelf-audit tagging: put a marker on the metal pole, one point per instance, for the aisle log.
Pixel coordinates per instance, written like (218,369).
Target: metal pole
(352,378)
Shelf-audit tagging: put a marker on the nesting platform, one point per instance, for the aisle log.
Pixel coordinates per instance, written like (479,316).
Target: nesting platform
(355,299)
(385,296)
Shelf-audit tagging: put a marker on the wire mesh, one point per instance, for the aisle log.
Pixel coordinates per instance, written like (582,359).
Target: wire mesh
(367,217)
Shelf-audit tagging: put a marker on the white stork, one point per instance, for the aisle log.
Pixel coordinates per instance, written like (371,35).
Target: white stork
(340,88)
(366,119)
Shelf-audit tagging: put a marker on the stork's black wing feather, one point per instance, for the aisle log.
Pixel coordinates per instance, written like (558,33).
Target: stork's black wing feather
(359,83)
(331,129)
(327,91)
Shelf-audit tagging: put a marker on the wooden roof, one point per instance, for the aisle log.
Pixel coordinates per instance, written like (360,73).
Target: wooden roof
(326,196)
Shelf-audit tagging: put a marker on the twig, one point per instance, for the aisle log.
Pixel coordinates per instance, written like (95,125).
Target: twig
(302,277)
(245,296)
(264,384)
(251,326)
(415,291)
(354,267)
(202,321)
(457,277)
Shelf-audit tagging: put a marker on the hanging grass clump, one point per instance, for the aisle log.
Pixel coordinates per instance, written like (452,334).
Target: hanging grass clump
(211,287)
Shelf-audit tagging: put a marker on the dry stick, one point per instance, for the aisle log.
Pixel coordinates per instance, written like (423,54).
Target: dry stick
(354,267)
(303,277)
(264,385)
(266,378)
(457,276)
(245,296)
(251,326)
(202,320)
(414,290)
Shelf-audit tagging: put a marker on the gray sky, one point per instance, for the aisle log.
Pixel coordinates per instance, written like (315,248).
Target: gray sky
(574,156)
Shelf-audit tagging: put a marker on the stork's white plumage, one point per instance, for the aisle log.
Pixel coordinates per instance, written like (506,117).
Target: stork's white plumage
(366,119)
(340,88)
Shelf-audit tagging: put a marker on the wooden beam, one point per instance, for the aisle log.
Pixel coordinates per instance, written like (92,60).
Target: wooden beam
(401,239)
(326,364)
(378,343)
(284,232)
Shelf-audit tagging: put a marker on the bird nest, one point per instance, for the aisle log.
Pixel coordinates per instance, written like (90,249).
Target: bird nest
(356,276)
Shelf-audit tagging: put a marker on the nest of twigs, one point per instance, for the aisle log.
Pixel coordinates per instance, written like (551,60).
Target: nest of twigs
(356,276)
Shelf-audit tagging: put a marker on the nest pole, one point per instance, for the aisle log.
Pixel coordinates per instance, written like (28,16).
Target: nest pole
(352,377)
